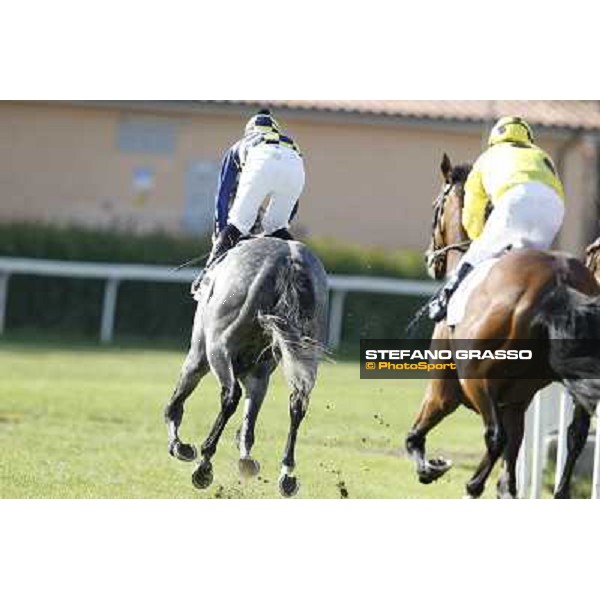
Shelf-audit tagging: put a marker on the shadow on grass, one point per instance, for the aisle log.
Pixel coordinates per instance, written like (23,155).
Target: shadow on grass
(33,340)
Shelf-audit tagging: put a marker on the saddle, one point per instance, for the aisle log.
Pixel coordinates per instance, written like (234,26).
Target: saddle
(460,298)
(203,280)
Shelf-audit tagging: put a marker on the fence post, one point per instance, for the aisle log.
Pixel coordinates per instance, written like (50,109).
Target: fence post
(564,418)
(108,310)
(524,460)
(537,459)
(596,477)
(4,277)
(336,317)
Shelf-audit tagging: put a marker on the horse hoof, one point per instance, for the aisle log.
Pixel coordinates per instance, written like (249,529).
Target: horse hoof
(474,491)
(434,469)
(505,495)
(249,467)
(202,477)
(288,486)
(469,497)
(184,452)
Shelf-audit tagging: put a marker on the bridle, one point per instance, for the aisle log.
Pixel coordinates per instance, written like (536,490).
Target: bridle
(460,246)
(439,253)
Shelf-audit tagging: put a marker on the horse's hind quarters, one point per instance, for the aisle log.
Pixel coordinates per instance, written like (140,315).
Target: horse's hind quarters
(202,477)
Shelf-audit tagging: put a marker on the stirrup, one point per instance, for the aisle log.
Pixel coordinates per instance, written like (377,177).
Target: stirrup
(438,307)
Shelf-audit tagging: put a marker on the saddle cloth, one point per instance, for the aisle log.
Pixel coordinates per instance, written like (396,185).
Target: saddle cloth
(458,301)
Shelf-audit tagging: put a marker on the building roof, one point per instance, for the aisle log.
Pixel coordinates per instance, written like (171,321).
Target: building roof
(570,114)
(576,115)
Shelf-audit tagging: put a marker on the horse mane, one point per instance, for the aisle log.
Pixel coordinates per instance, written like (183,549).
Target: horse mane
(460,173)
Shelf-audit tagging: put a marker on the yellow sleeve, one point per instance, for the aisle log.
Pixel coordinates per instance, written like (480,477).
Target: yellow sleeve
(473,216)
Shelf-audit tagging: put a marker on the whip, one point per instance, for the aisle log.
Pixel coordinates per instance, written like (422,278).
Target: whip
(190,262)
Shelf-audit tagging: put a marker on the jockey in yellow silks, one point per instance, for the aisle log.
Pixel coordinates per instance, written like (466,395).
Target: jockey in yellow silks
(521,182)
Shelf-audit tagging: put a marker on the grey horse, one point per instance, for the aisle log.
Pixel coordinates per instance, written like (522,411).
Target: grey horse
(265,302)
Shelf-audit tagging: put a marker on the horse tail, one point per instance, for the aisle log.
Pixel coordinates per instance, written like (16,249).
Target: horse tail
(296,320)
(572,323)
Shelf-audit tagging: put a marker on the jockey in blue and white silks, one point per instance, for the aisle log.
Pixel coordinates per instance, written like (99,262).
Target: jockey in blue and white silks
(265,163)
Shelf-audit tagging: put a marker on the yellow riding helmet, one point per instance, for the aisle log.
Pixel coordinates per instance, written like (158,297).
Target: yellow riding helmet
(262,122)
(511,129)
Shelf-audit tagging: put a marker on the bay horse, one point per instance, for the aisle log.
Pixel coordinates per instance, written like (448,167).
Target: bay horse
(264,303)
(527,295)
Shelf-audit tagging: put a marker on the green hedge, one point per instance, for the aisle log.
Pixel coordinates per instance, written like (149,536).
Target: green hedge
(355,260)
(79,243)
(368,315)
(159,310)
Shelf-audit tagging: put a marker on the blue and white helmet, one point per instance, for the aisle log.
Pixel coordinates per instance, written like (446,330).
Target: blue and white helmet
(262,122)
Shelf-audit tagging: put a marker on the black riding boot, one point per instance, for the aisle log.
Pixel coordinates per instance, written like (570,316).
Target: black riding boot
(227,239)
(439,304)
(282,234)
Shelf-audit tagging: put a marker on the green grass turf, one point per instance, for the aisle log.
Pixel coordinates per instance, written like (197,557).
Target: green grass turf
(79,421)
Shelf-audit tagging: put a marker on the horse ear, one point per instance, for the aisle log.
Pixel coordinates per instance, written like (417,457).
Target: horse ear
(446,167)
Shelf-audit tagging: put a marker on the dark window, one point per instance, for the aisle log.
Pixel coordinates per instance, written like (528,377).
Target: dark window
(146,135)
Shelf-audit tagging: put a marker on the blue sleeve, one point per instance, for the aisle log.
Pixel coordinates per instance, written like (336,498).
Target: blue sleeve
(230,169)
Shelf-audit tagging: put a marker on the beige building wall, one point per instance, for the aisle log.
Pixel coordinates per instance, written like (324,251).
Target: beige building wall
(368,182)
(63,164)
(581,187)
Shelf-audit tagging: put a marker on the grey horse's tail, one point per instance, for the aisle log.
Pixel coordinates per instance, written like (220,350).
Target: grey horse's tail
(295,322)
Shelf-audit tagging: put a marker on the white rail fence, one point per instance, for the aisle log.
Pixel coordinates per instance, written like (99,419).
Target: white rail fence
(113,274)
(550,411)
(548,419)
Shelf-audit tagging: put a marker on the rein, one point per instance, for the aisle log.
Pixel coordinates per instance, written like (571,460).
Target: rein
(462,246)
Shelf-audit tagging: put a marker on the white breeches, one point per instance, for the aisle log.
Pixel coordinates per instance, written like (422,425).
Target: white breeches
(528,215)
(270,171)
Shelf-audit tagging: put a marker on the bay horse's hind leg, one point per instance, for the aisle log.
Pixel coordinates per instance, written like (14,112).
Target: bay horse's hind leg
(495,436)
(442,397)
(576,438)
(255,386)
(513,421)
(231,392)
(194,368)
